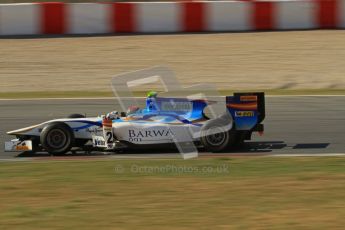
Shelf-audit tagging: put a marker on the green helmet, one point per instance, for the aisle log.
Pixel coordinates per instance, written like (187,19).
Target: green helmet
(152,94)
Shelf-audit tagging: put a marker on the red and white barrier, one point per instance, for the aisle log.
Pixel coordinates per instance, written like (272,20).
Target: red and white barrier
(169,17)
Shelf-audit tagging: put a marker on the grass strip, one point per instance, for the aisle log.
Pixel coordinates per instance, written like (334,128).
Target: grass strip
(222,193)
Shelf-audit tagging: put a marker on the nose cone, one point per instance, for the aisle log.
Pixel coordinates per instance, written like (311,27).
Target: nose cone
(22,131)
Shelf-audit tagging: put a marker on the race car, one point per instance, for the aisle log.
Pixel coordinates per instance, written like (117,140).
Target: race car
(163,122)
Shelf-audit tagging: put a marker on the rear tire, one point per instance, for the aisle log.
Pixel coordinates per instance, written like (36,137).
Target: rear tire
(57,138)
(76,115)
(217,134)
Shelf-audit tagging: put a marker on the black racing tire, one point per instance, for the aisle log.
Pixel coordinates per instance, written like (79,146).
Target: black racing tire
(57,138)
(76,115)
(217,134)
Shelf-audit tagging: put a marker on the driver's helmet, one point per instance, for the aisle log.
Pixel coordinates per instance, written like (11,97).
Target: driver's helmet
(152,94)
(113,115)
(132,109)
(150,100)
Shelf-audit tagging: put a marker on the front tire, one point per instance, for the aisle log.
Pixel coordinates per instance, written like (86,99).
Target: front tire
(57,138)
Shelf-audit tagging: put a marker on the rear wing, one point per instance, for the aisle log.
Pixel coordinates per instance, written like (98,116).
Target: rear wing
(260,99)
(247,110)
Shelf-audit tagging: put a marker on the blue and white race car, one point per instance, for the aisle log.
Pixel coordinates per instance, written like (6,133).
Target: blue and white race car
(163,122)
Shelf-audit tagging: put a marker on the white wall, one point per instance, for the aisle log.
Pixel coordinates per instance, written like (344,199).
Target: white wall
(228,16)
(19,19)
(295,14)
(88,18)
(158,17)
(341,13)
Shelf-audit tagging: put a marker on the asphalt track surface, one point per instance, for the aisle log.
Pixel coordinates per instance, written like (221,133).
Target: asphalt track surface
(293,125)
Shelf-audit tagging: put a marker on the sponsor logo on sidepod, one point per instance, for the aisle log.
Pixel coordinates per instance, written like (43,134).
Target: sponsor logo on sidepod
(138,135)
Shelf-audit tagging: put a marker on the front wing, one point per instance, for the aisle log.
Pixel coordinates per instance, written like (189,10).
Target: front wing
(17,145)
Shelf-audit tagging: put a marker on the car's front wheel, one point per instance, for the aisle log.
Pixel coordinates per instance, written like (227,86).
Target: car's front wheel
(57,138)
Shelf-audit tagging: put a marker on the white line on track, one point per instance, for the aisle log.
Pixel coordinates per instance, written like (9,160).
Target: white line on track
(308,155)
(14,159)
(67,98)
(302,95)
(109,98)
(155,157)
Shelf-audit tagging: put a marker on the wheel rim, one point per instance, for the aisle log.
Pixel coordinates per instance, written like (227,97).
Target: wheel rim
(215,136)
(56,139)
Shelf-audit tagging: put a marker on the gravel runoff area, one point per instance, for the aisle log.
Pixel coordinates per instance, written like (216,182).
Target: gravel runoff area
(265,60)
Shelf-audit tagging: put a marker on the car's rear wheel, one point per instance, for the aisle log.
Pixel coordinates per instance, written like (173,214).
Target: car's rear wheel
(57,138)
(217,134)
(76,115)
